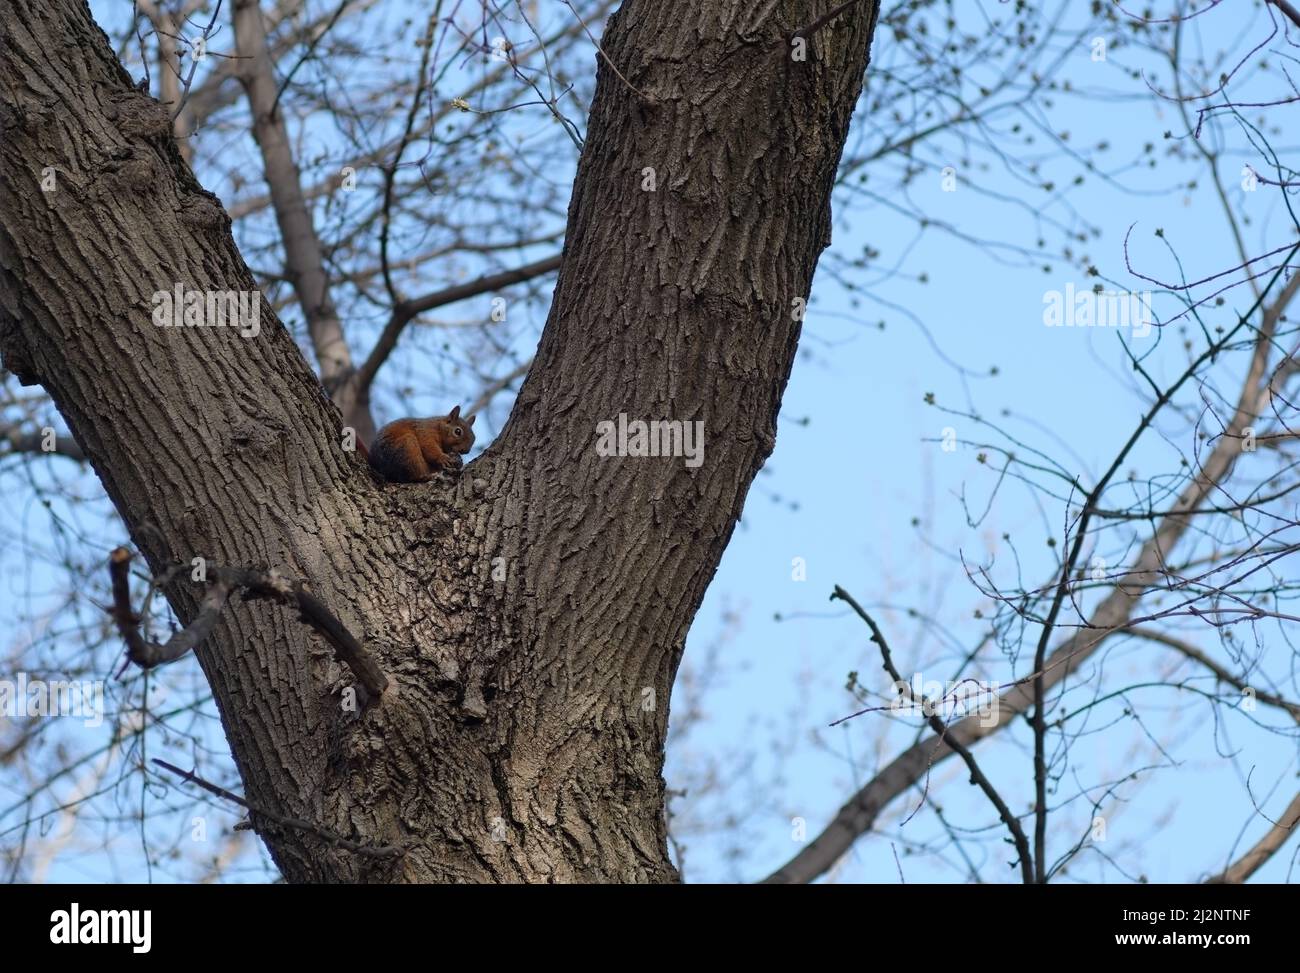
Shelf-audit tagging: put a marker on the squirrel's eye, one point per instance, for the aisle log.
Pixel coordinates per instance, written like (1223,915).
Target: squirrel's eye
(459,431)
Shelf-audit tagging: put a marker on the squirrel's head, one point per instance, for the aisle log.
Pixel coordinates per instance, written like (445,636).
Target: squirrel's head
(460,432)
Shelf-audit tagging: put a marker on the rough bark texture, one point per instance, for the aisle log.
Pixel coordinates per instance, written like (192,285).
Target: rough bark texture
(523,740)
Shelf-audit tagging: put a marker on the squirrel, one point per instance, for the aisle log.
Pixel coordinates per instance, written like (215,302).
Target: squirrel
(413,450)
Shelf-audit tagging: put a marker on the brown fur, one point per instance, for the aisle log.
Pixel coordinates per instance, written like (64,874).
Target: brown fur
(413,450)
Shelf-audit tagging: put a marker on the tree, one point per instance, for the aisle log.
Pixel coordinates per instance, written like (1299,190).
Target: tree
(529,646)
(469,679)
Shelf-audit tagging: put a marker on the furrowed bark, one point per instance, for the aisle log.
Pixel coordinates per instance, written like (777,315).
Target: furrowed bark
(531,611)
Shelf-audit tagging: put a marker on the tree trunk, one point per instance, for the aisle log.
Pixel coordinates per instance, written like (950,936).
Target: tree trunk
(530,612)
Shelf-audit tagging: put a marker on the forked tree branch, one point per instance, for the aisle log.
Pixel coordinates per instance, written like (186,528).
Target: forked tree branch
(403,313)
(253,584)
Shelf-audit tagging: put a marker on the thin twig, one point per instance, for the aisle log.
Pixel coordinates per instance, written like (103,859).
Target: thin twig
(937,724)
(1249,863)
(379,851)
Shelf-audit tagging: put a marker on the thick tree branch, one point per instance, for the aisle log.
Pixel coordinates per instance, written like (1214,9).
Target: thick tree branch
(302,248)
(254,584)
(361,381)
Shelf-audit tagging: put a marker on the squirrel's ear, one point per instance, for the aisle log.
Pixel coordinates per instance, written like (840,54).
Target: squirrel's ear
(470,420)
(455,413)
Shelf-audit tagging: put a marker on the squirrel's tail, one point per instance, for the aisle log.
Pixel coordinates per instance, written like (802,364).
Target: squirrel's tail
(384,459)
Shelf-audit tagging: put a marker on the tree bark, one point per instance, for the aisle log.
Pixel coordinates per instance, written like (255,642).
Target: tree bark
(531,611)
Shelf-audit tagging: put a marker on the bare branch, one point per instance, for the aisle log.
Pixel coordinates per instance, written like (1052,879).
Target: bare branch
(405,311)
(485,397)
(1110,616)
(379,851)
(1249,863)
(302,248)
(35,442)
(254,584)
(977,776)
(1222,674)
